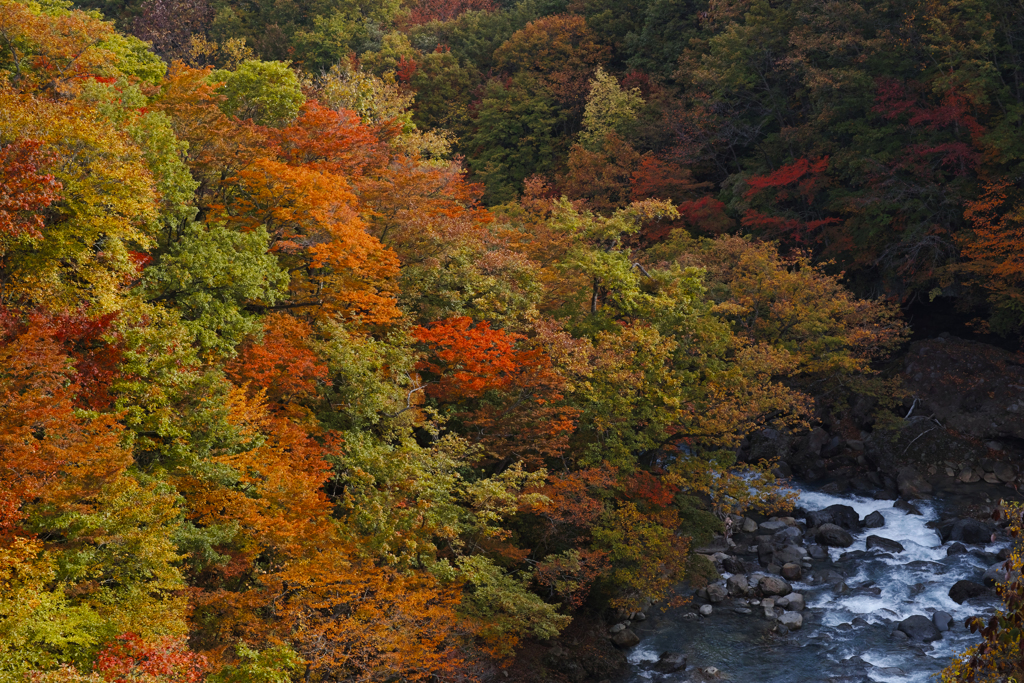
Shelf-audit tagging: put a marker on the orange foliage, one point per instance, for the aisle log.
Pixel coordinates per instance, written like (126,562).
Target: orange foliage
(47,452)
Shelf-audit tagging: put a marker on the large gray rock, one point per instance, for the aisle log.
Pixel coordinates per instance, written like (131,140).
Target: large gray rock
(920,628)
(791,535)
(717,592)
(833,536)
(790,554)
(943,621)
(791,620)
(627,638)
(791,571)
(749,526)
(875,520)
(1004,470)
(774,585)
(771,526)
(911,484)
(706,610)
(965,590)
(737,585)
(670,662)
(885,544)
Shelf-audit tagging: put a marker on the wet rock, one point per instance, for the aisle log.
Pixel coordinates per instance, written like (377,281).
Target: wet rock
(670,662)
(774,585)
(875,520)
(842,516)
(899,635)
(956,549)
(717,592)
(817,552)
(749,526)
(737,585)
(769,613)
(834,536)
(793,602)
(628,639)
(906,506)
(995,574)
(911,484)
(743,610)
(965,590)
(791,571)
(886,544)
(791,620)
(969,531)
(943,621)
(920,628)
(706,610)
(617,628)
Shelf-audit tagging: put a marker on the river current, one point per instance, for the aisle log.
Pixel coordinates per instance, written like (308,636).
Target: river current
(846,637)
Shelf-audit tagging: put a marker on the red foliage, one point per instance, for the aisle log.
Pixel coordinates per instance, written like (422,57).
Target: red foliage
(168,660)
(24,189)
(806,174)
(405,69)
(468,359)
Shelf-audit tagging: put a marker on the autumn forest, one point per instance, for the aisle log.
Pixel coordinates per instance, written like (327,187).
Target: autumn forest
(368,341)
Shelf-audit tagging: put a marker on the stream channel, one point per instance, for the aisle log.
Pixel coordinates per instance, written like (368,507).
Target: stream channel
(846,637)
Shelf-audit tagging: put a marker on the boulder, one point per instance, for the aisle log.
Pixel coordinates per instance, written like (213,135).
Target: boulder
(791,571)
(737,585)
(617,628)
(628,639)
(771,526)
(788,536)
(833,536)
(875,520)
(956,549)
(749,526)
(995,574)
(795,602)
(886,544)
(919,628)
(790,554)
(911,484)
(969,476)
(791,620)
(963,530)
(670,662)
(733,565)
(706,610)
(965,590)
(943,621)
(906,506)
(717,592)
(817,552)
(774,585)
(1004,471)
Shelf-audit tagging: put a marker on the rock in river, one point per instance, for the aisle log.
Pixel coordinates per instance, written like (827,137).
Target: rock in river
(834,536)
(920,628)
(888,545)
(965,590)
(791,620)
(875,520)
(627,638)
(670,662)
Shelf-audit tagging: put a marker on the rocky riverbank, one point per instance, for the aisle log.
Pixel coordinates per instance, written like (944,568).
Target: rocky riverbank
(879,580)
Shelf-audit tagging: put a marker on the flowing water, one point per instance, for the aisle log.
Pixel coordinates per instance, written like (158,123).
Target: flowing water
(845,637)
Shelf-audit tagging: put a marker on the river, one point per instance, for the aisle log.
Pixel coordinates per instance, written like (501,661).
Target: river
(845,638)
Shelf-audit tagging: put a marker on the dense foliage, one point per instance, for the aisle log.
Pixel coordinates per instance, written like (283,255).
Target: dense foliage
(376,361)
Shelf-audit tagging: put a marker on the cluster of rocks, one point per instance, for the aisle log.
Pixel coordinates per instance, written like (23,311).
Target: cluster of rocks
(985,469)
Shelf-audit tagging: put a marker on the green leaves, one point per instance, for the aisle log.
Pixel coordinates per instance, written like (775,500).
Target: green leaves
(210,275)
